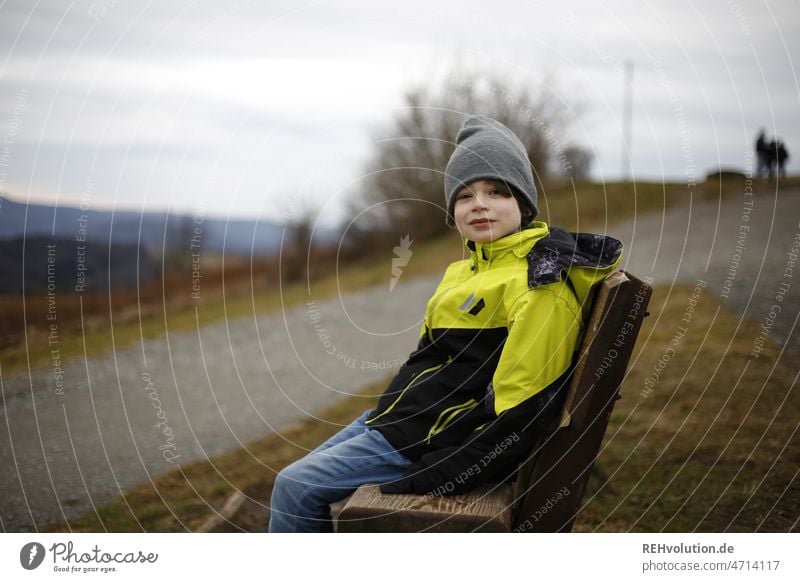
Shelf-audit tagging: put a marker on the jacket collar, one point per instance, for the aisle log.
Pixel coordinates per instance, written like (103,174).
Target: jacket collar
(583,259)
(561,250)
(518,243)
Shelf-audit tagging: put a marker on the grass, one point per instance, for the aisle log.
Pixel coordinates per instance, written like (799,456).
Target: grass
(711,447)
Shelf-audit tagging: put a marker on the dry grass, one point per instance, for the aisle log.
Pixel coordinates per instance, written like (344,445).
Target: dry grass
(713,446)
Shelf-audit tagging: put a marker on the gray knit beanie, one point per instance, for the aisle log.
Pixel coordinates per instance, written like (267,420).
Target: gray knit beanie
(487,150)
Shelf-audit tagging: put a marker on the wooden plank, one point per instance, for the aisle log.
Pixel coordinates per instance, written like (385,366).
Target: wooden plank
(552,495)
(605,295)
(487,509)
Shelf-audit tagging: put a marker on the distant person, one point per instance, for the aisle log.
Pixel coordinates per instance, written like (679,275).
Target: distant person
(762,155)
(781,157)
(495,352)
(772,158)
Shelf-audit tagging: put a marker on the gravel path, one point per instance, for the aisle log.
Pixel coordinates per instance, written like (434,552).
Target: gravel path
(131,415)
(740,250)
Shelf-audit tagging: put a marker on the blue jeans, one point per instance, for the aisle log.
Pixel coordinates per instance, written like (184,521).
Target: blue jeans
(304,490)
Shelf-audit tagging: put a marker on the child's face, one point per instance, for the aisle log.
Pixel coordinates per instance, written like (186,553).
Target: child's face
(485,211)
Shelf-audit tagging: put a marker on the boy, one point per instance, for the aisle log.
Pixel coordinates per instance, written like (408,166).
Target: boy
(494,356)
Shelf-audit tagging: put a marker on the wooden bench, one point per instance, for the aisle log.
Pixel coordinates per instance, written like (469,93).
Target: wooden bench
(549,486)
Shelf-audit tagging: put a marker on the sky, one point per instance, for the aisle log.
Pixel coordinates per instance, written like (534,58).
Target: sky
(251,109)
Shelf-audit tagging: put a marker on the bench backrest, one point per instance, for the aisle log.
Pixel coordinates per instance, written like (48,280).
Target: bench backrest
(550,484)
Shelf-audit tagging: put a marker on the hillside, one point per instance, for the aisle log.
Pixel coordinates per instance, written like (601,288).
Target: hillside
(154,231)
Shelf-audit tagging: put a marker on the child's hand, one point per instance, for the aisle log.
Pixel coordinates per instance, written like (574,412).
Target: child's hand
(404,484)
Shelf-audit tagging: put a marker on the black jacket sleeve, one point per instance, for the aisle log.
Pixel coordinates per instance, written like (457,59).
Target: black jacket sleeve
(492,455)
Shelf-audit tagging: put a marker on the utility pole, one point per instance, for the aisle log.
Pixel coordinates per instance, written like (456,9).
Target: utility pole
(627,121)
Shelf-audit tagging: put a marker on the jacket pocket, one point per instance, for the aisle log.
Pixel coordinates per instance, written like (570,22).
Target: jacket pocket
(448,415)
(415,380)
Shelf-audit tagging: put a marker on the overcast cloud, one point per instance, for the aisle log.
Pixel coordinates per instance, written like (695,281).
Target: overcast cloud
(237,108)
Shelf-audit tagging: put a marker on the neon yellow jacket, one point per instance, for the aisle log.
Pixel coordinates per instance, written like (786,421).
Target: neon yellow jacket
(497,345)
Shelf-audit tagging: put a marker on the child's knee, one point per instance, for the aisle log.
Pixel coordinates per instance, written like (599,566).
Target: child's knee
(294,480)
(285,481)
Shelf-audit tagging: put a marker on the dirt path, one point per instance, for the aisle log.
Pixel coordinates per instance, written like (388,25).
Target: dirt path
(134,414)
(739,250)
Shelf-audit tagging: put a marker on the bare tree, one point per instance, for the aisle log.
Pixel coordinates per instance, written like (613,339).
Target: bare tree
(576,163)
(296,253)
(177,242)
(403,187)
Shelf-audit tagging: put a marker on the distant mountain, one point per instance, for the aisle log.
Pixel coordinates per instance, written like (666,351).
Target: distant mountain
(149,230)
(41,245)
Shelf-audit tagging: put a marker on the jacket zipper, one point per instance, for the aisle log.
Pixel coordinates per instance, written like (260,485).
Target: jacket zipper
(451,413)
(409,385)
